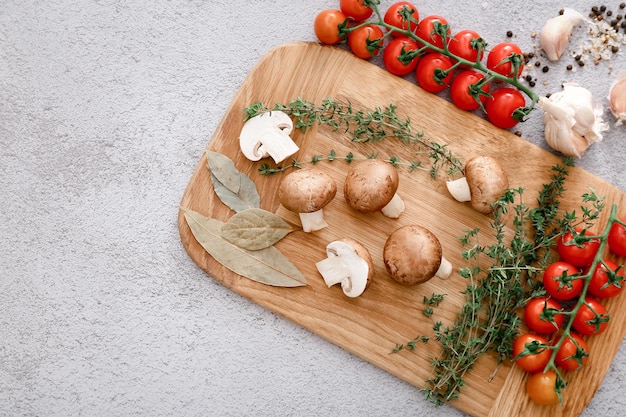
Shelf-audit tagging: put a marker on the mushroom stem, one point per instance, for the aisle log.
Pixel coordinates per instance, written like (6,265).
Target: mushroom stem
(279,147)
(459,189)
(334,270)
(394,208)
(445,269)
(313,221)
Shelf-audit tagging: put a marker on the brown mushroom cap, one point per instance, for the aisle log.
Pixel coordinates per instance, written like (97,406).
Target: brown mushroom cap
(487,181)
(412,255)
(370,185)
(362,253)
(306,190)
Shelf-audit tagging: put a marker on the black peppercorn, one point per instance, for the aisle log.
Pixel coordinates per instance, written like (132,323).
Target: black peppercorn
(509,34)
(569,67)
(622,5)
(545,69)
(537,63)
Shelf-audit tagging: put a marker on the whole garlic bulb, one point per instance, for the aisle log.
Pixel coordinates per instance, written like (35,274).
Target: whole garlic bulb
(617,98)
(572,121)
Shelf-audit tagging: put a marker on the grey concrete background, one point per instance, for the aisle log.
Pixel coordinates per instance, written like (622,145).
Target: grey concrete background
(105,109)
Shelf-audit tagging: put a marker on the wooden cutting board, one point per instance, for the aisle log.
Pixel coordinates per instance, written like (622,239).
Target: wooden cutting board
(388,313)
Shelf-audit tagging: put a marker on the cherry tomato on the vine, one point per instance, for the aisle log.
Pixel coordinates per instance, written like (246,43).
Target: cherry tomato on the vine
(558,281)
(617,238)
(366,41)
(541,388)
(394,18)
(500,59)
(461,93)
(533,348)
(543,315)
(426,30)
(573,353)
(326,26)
(582,255)
(592,318)
(604,286)
(355,9)
(501,106)
(428,67)
(461,45)
(392,52)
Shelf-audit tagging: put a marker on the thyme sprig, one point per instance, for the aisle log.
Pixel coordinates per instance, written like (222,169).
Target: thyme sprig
(266,169)
(364,126)
(442,30)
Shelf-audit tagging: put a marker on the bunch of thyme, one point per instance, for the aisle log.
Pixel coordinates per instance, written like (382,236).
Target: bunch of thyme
(442,30)
(488,321)
(362,125)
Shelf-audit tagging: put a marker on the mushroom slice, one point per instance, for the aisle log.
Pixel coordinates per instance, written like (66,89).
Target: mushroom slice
(307,192)
(268,135)
(412,255)
(484,183)
(348,263)
(371,186)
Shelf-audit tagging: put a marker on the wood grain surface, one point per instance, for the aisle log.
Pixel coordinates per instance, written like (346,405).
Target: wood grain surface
(389,313)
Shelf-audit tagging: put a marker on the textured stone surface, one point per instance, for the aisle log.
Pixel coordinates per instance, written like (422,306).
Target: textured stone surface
(105,108)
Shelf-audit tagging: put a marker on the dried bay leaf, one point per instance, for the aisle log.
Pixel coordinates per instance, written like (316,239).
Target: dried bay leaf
(231,186)
(255,229)
(268,266)
(223,168)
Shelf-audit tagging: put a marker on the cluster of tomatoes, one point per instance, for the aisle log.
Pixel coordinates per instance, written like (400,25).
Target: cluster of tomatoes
(434,71)
(549,321)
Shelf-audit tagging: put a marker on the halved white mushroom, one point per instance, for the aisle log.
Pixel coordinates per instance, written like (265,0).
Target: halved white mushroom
(268,135)
(348,263)
(485,181)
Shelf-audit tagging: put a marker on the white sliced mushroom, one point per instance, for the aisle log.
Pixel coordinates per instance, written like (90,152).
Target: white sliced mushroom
(268,135)
(348,263)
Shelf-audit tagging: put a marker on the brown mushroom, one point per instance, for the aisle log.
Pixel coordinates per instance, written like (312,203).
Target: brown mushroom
(371,186)
(307,192)
(484,183)
(412,255)
(348,263)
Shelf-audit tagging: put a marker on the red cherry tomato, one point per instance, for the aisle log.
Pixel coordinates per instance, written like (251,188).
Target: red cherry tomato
(460,90)
(541,388)
(366,41)
(427,68)
(355,9)
(602,285)
(554,278)
(461,45)
(501,106)
(530,352)
(592,318)
(617,238)
(392,53)
(426,28)
(542,315)
(326,26)
(394,18)
(573,353)
(582,255)
(500,56)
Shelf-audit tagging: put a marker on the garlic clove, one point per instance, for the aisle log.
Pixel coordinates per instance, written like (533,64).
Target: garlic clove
(617,98)
(556,32)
